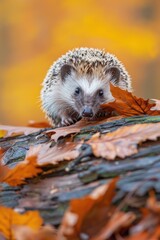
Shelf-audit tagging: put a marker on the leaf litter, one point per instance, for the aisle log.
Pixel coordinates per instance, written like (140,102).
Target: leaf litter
(124,141)
(93,216)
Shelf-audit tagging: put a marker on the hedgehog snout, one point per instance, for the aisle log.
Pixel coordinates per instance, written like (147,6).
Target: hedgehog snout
(87,112)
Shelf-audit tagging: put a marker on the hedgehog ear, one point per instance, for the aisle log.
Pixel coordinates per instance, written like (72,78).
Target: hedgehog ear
(66,70)
(113,75)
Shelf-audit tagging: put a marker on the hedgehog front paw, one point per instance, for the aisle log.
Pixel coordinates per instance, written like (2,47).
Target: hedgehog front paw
(102,114)
(66,122)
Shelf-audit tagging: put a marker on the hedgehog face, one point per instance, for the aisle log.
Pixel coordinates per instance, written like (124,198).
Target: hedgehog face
(91,95)
(88,103)
(85,93)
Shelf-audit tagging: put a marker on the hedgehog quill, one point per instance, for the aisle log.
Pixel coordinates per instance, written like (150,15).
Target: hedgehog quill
(78,83)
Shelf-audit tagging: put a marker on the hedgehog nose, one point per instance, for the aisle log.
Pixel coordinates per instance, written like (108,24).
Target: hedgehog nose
(87,112)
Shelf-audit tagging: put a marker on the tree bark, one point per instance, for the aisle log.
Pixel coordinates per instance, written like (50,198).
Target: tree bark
(51,191)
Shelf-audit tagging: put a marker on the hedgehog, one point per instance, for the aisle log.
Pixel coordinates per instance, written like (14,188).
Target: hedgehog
(78,83)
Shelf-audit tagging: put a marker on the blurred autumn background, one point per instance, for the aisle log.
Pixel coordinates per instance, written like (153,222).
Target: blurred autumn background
(35,33)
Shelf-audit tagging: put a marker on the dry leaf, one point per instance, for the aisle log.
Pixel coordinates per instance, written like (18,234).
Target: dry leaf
(157,105)
(140,236)
(152,203)
(54,155)
(15,131)
(44,233)
(3,172)
(10,218)
(62,132)
(123,142)
(38,124)
(3,133)
(38,156)
(117,221)
(75,128)
(155,235)
(127,104)
(1,152)
(26,169)
(149,225)
(72,129)
(82,213)
(3,169)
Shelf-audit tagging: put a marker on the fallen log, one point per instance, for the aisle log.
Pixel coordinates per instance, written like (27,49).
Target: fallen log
(51,192)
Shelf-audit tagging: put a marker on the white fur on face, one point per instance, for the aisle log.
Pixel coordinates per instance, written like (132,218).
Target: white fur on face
(60,96)
(90,87)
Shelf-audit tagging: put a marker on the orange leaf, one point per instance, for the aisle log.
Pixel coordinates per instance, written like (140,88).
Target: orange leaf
(127,104)
(3,172)
(38,124)
(123,142)
(117,221)
(83,212)
(26,169)
(149,225)
(10,218)
(153,204)
(140,236)
(3,169)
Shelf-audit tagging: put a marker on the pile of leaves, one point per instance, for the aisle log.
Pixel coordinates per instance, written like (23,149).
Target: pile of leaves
(94,216)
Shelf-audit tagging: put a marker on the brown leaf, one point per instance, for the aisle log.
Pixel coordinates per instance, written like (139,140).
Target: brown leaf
(3,172)
(75,128)
(3,169)
(153,204)
(149,225)
(10,218)
(15,131)
(123,142)
(44,233)
(62,132)
(38,124)
(156,234)
(157,105)
(26,169)
(38,156)
(54,155)
(140,236)
(118,221)
(82,213)
(129,105)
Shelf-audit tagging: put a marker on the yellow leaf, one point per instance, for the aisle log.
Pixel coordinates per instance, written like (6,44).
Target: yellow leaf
(2,133)
(10,218)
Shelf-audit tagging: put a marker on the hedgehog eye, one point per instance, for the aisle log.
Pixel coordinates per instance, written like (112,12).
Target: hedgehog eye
(100,93)
(77,91)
